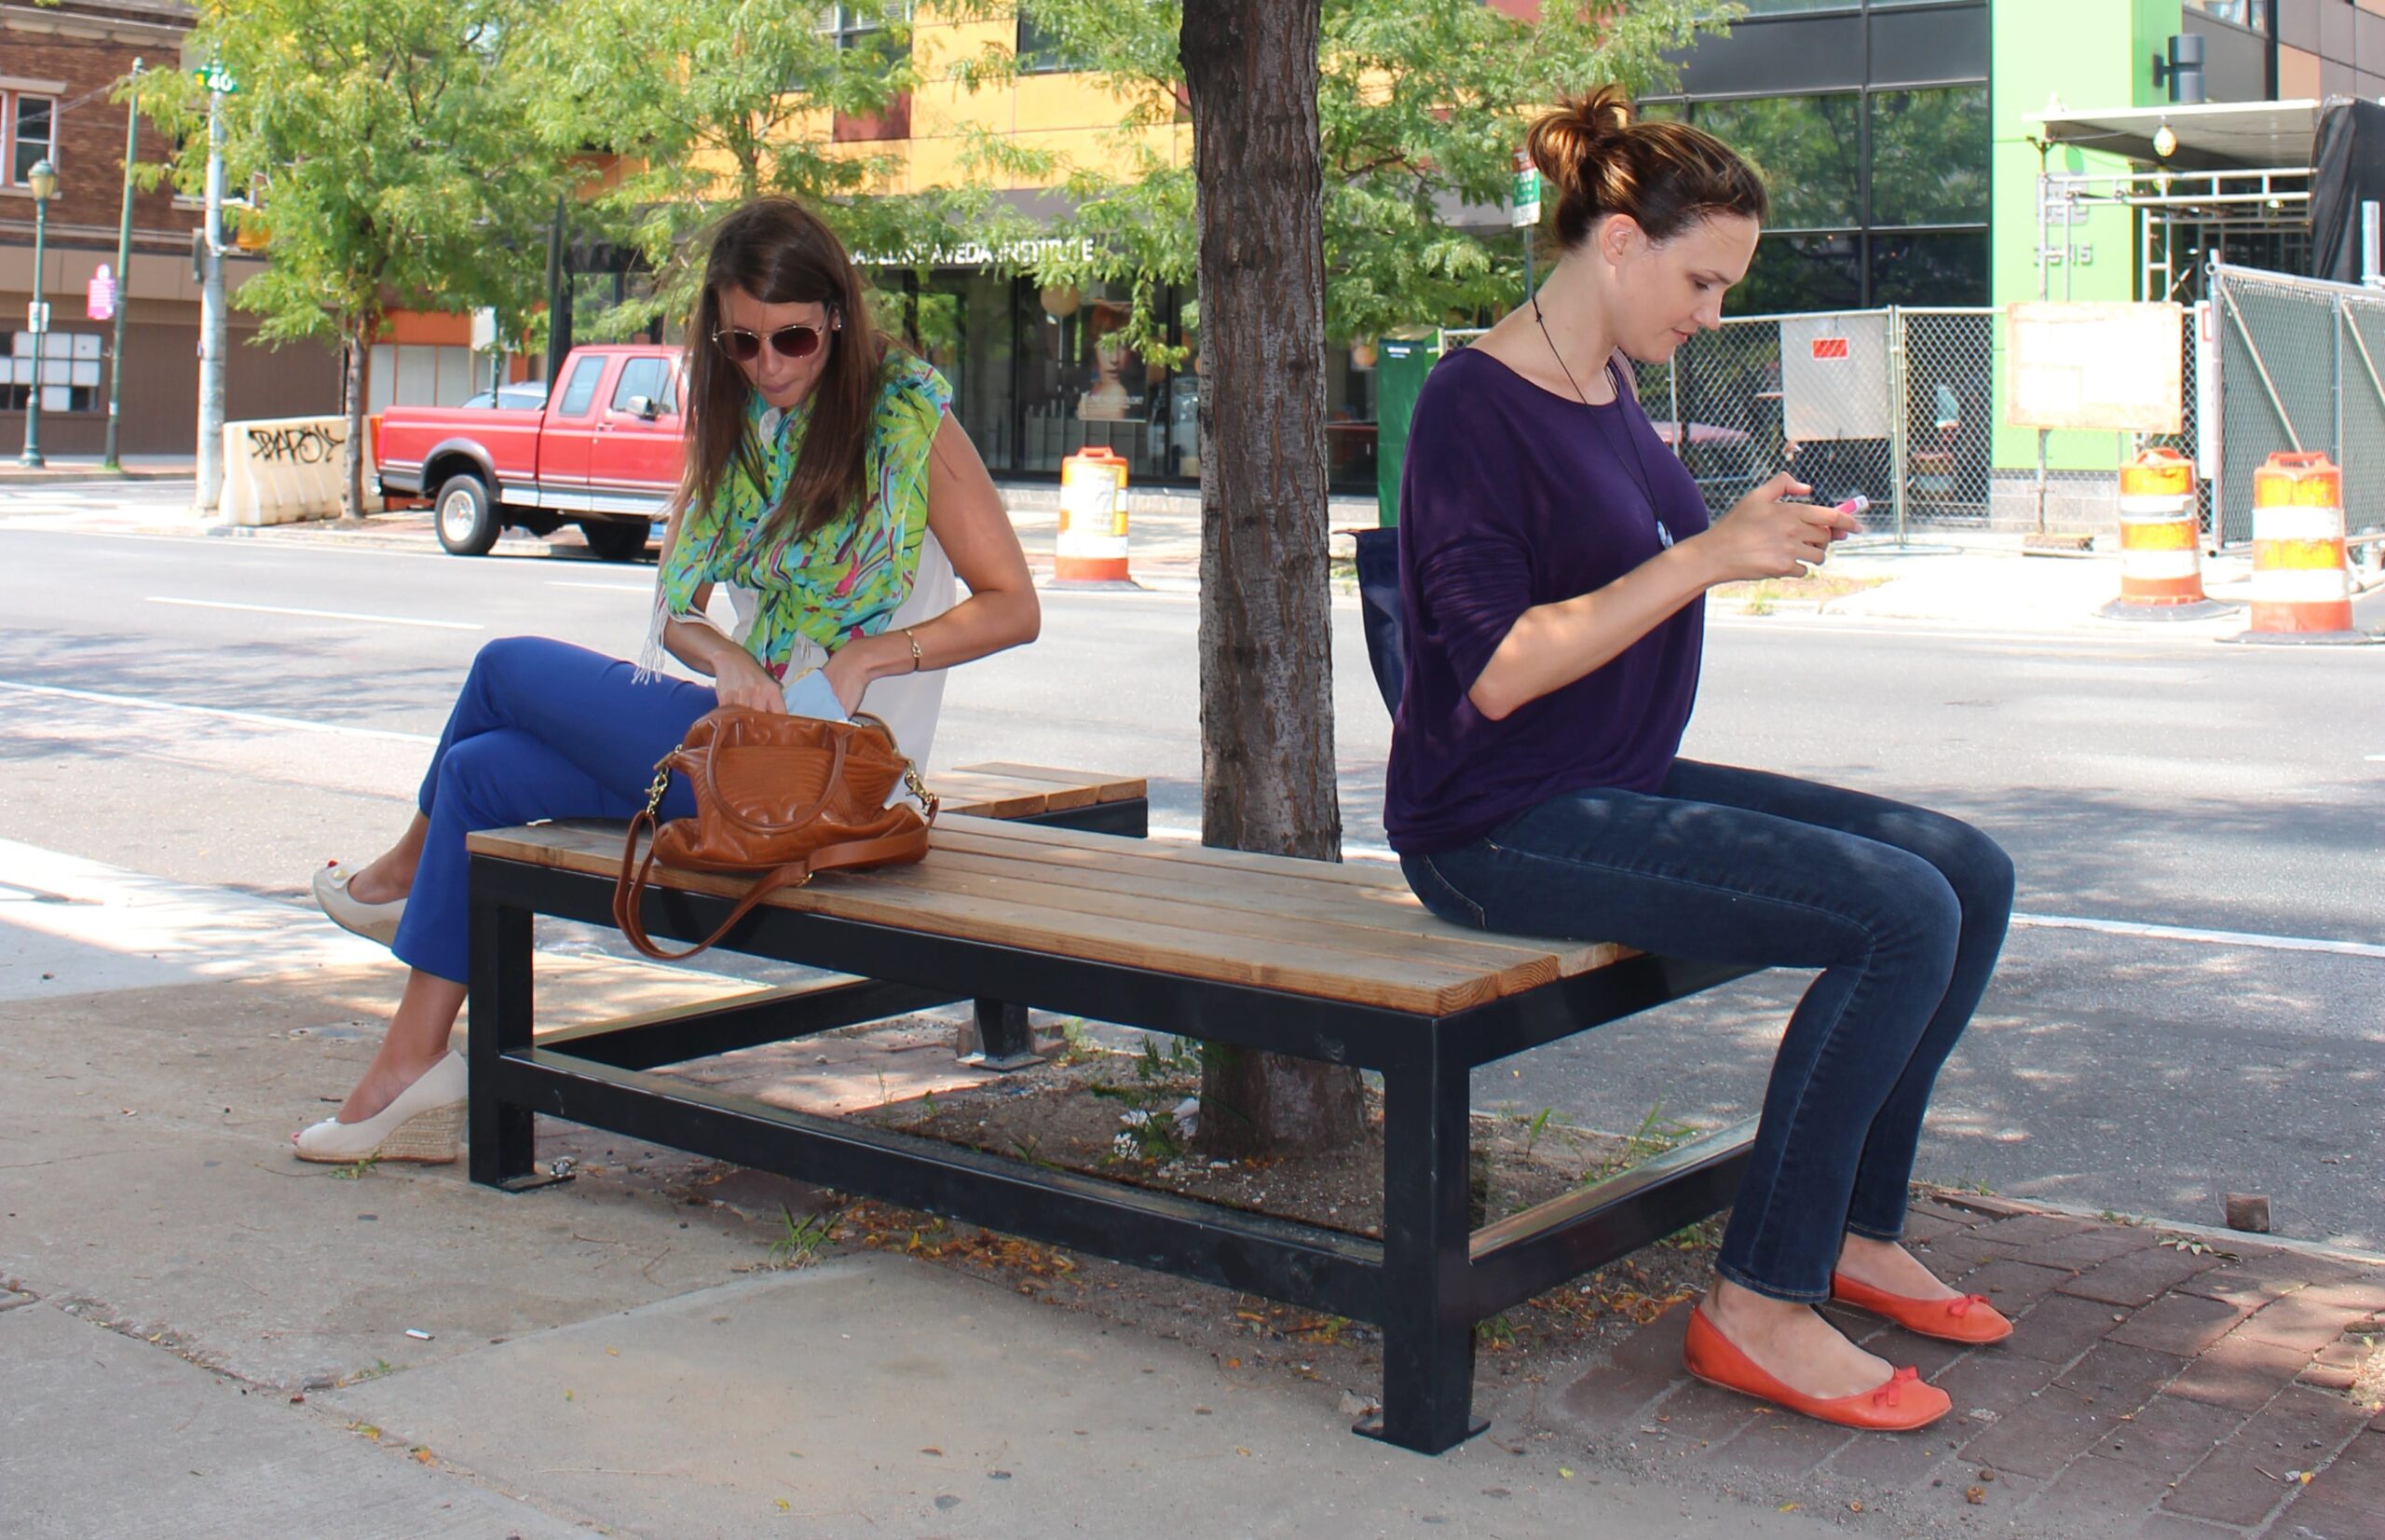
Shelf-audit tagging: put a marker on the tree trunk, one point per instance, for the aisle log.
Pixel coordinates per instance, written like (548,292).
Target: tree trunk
(351,464)
(1267,767)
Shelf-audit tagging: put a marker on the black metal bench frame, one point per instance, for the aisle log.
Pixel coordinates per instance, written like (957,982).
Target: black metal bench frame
(1426,1283)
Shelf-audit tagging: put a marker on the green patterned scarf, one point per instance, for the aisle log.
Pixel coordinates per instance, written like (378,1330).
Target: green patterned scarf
(845,578)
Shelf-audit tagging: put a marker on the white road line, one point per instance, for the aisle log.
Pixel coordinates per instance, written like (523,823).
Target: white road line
(321,614)
(258,718)
(609,588)
(2217,938)
(1355,851)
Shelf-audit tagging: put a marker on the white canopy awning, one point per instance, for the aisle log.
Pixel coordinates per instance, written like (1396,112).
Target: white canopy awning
(2211,136)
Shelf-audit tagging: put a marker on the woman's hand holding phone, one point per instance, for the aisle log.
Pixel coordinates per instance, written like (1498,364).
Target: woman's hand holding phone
(1767,535)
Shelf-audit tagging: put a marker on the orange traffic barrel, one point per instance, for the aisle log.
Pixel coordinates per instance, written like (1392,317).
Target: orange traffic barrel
(1092,543)
(2160,543)
(2301,576)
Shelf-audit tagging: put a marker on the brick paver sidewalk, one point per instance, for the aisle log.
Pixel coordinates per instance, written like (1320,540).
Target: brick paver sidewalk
(2152,1390)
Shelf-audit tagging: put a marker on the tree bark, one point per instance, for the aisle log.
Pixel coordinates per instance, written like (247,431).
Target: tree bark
(352,467)
(1267,766)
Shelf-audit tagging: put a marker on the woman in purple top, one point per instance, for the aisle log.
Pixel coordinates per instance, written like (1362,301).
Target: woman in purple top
(1554,559)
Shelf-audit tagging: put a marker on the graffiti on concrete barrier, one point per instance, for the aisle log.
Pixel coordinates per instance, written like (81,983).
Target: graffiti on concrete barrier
(308,444)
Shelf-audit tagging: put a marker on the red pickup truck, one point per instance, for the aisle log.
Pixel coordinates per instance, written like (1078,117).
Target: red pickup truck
(603,453)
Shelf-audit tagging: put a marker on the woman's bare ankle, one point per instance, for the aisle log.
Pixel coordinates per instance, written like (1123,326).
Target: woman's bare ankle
(384,880)
(1886,1264)
(1792,1343)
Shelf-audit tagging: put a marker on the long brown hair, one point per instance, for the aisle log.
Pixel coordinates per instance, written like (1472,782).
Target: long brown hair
(778,252)
(1666,176)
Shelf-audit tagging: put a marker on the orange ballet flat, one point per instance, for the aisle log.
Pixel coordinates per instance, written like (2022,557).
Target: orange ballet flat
(1964,1318)
(1897,1405)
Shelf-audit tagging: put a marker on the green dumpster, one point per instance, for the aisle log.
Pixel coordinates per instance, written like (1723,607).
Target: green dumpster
(1402,359)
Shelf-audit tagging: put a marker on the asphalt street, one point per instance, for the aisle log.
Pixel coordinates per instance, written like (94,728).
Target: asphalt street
(2189,1006)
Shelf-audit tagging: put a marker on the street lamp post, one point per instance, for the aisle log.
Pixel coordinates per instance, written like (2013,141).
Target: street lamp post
(44,181)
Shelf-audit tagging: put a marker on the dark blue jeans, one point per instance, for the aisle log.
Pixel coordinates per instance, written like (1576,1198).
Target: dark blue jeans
(1904,910)
(540,730)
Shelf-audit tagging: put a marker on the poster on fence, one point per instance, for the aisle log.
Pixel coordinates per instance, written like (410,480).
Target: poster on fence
(2112,367)
(1834,376)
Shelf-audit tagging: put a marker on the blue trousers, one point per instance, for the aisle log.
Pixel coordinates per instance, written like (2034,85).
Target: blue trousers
(542,729)
(1903,911)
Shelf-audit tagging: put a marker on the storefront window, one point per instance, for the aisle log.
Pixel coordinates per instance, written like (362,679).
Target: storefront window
(1807,147)
(1083,386)
(1801,272)
(1928,268)
(1930,156)
(2254,14)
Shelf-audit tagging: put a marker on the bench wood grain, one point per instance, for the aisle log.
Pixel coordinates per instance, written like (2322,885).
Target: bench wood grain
(1336,932)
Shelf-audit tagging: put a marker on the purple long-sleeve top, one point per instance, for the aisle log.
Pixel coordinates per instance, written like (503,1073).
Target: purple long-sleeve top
(1512,498)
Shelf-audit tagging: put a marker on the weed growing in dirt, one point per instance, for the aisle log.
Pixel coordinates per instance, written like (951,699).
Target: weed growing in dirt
(800,1246)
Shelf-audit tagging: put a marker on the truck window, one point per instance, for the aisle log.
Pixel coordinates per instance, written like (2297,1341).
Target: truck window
(647,377)
(580,389)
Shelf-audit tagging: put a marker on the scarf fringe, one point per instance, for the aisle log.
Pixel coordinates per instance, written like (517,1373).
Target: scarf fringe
(651,654)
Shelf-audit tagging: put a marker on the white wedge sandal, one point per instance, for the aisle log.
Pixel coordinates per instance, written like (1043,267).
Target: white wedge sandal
(425,1123)
(373,922)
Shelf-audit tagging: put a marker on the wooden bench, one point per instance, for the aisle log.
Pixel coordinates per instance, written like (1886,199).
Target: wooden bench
(1333,963)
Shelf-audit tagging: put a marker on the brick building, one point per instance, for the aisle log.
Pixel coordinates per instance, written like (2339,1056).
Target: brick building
(59,65)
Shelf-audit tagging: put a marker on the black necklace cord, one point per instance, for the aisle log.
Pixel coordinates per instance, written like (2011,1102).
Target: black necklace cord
(1638,466)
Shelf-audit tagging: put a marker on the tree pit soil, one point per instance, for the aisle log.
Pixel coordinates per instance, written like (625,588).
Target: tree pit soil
(1077,1112)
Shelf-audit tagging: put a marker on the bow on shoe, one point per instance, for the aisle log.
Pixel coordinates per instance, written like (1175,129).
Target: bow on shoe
(1962,1307)
(1887,1394)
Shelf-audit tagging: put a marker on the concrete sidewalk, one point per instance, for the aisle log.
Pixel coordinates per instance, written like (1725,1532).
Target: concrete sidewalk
(76,470)
(205,1335)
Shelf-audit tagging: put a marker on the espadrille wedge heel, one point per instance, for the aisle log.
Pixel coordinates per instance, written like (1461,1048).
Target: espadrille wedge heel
(425,1124)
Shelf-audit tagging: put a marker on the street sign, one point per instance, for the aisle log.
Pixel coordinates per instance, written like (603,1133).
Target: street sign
(485,329)
(98,299)
(38,316)
(216,77)
(1524,203)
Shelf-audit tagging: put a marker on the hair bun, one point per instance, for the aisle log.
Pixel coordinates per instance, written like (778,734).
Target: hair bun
(1569,144)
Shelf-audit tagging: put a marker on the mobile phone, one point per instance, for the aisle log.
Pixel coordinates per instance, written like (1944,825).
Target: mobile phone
(811,695)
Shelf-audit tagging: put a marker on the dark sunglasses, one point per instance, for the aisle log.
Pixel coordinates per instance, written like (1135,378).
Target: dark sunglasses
(790,342)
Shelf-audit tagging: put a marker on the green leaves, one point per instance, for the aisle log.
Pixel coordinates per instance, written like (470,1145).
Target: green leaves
(1421,103)
(385,142)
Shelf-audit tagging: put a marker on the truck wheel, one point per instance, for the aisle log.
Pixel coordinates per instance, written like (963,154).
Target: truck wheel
(465,517)
(616,540)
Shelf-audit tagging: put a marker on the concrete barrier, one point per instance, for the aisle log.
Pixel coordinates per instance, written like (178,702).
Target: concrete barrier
(281,470)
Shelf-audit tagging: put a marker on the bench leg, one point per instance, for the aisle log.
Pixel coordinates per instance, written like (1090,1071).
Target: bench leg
(1000,1038)
(1428,1335)
(503,1139)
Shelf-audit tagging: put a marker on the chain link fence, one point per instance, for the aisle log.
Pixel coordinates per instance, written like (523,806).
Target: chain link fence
(2304,362)
(1894,405)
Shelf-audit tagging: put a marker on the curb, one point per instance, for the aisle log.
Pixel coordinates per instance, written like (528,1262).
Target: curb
(2001,1207)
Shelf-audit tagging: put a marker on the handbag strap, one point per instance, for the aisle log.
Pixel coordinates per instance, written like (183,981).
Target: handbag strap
(629,889)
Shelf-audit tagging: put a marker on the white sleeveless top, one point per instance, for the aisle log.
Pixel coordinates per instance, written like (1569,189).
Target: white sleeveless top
(907,703)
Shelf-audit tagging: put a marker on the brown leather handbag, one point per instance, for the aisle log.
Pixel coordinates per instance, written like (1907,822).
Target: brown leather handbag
(779,796)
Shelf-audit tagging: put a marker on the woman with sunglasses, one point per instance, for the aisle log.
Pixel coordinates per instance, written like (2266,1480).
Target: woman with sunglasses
(1554,557)
(829,491)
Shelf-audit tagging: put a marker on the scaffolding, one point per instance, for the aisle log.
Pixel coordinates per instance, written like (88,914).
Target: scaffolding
(2186,220)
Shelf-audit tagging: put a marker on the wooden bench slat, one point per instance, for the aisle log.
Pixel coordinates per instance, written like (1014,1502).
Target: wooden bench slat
(1416,985)
(962,787)
(1343,873)
(1107,788)
(1330,886)
(1347,946)
(989,798)
(1372,924)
